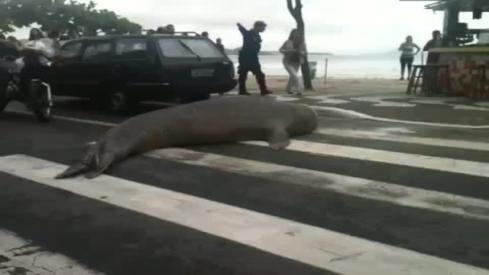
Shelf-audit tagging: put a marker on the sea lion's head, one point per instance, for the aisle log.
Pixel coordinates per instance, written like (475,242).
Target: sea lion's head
(305,119)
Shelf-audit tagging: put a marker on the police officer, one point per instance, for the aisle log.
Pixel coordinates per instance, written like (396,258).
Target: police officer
(248,58)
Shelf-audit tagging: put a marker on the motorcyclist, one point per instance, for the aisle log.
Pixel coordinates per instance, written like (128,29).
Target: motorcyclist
(32,64)
(8,49)
(37,53)
(32,61)
(8,53)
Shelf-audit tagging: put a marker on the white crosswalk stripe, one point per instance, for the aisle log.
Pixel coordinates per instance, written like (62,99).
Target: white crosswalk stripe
(374,135)
(315,246)
(473,168)
(370,189)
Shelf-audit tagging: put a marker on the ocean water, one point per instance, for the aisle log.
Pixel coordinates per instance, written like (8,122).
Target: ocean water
(341,66)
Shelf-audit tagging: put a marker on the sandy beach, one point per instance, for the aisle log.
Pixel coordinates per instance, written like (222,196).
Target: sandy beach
(337,86)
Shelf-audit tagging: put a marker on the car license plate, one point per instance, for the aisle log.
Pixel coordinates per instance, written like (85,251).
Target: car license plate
(202,73)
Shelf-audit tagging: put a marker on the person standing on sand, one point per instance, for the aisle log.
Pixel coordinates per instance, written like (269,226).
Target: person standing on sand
(248,58)
(407,55)
(294,51)
(220,46)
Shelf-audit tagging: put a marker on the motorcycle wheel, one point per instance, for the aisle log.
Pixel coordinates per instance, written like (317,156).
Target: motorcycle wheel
(44,114)
(3,98)
(42,105)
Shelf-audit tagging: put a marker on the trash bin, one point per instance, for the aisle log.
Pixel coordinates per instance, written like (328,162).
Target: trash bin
(313,68)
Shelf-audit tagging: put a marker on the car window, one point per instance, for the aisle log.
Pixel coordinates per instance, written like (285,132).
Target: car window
(96,51)
(131,48)
(173,48)
(71,50)
(204,48)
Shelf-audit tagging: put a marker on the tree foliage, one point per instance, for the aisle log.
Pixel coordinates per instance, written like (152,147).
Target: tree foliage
(64,16)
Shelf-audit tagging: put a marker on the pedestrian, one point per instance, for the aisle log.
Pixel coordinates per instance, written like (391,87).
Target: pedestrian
(205,34)
(435,42)
(220,46)
(8,49)
(294,51)
(35,34)
(248,58)
(55,46)
(408,51)
(430,78)
(168,29)
(12,39)
(160,30)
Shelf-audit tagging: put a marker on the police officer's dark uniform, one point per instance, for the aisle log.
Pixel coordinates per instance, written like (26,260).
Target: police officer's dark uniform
(248,59)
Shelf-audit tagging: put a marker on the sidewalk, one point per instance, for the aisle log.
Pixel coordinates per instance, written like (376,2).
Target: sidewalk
(385,98)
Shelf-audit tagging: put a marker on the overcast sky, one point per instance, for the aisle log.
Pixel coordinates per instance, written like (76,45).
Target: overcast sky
(337,26)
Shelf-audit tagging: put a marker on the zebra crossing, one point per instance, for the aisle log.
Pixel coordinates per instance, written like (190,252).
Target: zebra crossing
(262,190)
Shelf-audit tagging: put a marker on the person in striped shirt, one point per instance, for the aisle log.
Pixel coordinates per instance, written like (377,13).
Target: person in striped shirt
(408,51)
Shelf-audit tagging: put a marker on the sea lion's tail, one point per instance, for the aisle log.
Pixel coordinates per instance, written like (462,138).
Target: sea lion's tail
(92,165)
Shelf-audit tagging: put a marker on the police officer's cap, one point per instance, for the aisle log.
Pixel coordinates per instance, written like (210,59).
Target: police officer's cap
(260,23)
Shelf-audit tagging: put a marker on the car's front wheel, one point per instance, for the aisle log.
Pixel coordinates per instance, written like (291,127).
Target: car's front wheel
(117,102)
(120,102)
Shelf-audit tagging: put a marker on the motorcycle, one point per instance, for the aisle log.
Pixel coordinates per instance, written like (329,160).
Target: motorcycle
(25,79)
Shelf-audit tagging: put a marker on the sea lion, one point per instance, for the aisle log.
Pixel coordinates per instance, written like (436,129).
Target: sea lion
(223,120)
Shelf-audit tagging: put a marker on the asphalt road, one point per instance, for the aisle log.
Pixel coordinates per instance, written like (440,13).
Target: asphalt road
(356,197)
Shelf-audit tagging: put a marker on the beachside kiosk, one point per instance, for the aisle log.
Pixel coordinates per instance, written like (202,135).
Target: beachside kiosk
(460,66)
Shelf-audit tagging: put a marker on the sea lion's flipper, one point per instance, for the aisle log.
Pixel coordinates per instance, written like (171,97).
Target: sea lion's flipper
(278,138)
(83,166)
(73,171)
(105,161)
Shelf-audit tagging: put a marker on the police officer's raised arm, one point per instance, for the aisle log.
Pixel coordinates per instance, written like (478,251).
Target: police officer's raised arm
(241,28)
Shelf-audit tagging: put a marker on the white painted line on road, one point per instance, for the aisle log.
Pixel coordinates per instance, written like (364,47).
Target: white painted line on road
(324,99)
(344,112)
(358,187)
(311,245)
(66,118)
(469,108)
(359,134)
(86,121)
(480,169)
(20,256)
(354,114)
(483,104)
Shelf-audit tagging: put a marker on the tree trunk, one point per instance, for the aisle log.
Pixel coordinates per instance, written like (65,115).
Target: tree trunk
(296,13)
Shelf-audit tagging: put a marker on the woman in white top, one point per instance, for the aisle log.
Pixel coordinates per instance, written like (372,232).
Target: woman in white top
(294,51)
(408,51)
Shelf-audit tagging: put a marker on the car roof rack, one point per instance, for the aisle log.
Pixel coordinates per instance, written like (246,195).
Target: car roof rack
(181,33)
